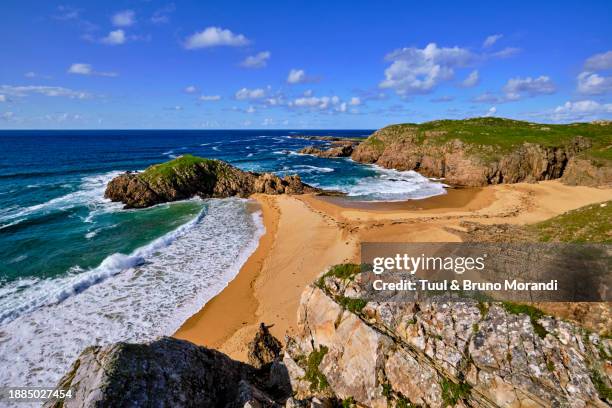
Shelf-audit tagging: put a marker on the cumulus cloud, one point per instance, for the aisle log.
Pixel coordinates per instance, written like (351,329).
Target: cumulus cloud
(594,84)
(210,98)
(87,69)
(21,91)
(517,88)
(258,60)
(490,40)
(599,62)
(492,111)
(115,37)
(472,79)
(3,98)
(250,94)
(191,89)
(355,101)
(215,37)
(123,18)
(296,76)
(418,71)
(581,110)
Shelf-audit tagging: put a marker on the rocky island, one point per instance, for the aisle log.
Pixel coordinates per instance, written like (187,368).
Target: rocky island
(188,176)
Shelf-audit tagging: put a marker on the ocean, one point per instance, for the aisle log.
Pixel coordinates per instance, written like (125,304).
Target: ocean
(77,270)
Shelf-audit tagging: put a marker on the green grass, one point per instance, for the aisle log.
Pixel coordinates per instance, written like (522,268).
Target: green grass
(166,171)
(341,271)
(604,391)
(351,304)
(533,312)
(587,224)
(453,392)
(318,381)
(496,136)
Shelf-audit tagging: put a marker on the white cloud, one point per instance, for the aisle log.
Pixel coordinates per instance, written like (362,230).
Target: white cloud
(506,52)
(490,40)
(190,89)
(314,102)
(594,84)
(250,109)
(296,76)
(308,92)
(418,71)
(7,115)
(492,111)
(245,93)
(210,98)
(215,37)
(115,37)
(123,18)
(599,62)
(3,98)
(471,80)
(355,101)
(87,69)
(21,91)
(258,60)
(580,110)
(516,88)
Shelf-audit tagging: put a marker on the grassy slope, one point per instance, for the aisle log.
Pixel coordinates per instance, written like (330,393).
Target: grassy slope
(503,135)
(586,224)
(166,171)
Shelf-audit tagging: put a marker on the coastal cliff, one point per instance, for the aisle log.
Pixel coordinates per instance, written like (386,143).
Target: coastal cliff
(350,351)
(188,176)
(482,151)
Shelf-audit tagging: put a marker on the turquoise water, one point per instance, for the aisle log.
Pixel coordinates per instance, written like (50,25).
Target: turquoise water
(77,270)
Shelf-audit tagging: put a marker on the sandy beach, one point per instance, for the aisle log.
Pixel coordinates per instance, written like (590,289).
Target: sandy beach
(307,234)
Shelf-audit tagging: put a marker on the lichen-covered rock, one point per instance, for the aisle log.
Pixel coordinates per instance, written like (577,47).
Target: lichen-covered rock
(438,353)
(188,176)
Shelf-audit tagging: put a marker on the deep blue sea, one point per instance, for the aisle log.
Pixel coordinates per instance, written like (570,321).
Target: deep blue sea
(77,270)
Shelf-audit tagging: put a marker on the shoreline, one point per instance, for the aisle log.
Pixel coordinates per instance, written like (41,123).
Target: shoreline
(307,234)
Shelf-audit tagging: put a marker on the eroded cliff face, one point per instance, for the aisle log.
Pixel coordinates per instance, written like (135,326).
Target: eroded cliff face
(443,354)
(189,176)
(465,164)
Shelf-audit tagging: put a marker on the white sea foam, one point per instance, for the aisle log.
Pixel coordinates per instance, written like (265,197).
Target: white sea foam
(305,168)
(90,194)
(392,185)
(134,297)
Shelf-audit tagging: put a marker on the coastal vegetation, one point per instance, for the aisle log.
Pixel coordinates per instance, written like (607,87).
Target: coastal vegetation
(587,224)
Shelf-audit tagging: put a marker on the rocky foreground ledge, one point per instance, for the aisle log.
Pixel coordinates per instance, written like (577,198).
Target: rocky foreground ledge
(189,176)
(350,351)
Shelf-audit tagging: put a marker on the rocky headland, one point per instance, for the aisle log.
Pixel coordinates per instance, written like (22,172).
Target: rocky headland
(482,151)
(188,176)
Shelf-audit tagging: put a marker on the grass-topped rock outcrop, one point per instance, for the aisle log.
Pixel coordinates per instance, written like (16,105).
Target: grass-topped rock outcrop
(481,151)
(188,176)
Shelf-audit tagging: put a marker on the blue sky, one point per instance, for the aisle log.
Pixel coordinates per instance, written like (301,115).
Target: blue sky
(300,64)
